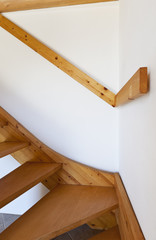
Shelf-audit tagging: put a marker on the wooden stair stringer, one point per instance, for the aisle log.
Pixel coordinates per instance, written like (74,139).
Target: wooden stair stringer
(72,173)
(128,224)
(61,210)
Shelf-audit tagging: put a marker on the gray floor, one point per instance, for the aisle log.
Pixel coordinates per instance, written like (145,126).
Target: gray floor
(80,233)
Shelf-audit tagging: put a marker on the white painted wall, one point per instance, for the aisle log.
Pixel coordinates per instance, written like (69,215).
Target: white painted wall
(58,110)
(138,119)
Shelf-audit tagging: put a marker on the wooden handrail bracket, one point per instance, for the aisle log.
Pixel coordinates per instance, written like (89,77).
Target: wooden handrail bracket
(137,85)
(134,88)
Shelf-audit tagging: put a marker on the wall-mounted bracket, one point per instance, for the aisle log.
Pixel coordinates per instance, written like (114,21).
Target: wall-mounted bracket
(134,88)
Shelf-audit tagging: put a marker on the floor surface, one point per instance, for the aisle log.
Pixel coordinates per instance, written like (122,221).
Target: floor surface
(81,233)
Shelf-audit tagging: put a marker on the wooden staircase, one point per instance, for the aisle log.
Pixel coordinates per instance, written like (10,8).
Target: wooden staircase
(63,209)
(23,178)
(9,147)
(78,194)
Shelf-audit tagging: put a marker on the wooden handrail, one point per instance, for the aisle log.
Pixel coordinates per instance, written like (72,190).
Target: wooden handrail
(58,61)
(14,5)
(135,87)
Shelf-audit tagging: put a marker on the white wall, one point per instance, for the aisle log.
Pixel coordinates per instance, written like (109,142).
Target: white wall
(138,119)
(54,107)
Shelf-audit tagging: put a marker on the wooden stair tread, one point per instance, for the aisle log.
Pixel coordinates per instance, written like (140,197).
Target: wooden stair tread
(111,234)
(9,147)
(23,178)
(61,210)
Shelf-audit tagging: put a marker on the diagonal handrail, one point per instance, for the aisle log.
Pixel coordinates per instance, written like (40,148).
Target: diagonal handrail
(135,87)
(14,5)
(57,60)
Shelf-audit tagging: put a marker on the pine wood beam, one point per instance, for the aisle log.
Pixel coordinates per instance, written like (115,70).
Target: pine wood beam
(134,88)
(58,61)
(14,5)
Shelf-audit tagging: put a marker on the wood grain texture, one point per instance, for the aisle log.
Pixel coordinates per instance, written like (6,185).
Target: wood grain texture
(58,61)
(134,88)
(71,172)
(3,123)
(10,147)
(112,234)
(63,209)
(23,178)
(104,222)
(128,224)
(14,5)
